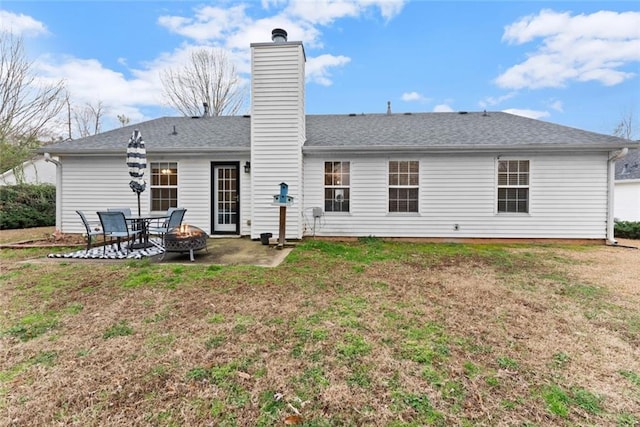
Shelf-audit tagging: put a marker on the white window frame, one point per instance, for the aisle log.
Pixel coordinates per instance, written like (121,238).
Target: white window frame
(341,186)
(171,167)
(407,186)
(518,185)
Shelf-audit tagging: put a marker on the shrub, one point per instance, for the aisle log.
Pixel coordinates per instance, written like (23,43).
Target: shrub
(27,205)
(627,229)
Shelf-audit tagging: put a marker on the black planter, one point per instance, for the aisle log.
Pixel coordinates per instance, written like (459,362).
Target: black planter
(264,238)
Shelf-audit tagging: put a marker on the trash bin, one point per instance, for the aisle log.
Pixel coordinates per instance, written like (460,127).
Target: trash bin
(264,238)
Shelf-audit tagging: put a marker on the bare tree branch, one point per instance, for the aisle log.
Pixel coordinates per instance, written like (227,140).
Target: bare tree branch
(624,129)
(209,78)
(88,119)
(27,104)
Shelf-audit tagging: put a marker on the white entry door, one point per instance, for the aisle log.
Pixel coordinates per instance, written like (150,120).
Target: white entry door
(226,202)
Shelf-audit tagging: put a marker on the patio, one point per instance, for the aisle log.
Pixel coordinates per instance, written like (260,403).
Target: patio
(222,251)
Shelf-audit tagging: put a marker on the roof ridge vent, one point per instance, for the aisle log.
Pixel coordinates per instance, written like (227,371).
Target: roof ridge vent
(352,114)
(463,112)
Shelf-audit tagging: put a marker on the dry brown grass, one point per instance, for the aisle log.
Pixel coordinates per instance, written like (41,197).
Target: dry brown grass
(365,333)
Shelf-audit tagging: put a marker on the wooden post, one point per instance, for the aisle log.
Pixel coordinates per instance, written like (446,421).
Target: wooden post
(283,226)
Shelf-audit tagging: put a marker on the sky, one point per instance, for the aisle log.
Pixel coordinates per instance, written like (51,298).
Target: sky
(574,63)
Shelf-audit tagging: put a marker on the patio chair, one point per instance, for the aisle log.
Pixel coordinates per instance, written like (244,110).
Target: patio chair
(93,228)
(175,219)
(114,225)
(125,211)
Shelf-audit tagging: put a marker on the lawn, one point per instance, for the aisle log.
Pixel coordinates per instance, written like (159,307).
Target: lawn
(340,334)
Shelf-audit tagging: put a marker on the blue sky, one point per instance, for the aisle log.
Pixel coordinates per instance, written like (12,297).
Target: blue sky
(572,63)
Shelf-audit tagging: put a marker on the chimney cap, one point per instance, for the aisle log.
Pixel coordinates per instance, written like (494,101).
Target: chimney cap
(278,35)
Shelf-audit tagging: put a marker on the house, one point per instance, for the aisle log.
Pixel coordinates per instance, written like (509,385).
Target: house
(35,171)
(465,175)
(627,187)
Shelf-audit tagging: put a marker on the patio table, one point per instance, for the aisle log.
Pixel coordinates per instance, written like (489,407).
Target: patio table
(141,223)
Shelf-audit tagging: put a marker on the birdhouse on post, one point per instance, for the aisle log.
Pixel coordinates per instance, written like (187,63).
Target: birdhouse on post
(282,200)
(284,192)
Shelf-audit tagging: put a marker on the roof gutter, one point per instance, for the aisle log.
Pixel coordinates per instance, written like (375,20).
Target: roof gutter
(414,149)
(156,152)
(611,170)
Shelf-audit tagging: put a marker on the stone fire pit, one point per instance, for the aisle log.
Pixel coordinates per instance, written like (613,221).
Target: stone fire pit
(185,238)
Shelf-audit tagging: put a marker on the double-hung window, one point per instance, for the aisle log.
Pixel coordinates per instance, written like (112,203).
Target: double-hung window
(403,186)
(336,186)
(164,185)
(513,186)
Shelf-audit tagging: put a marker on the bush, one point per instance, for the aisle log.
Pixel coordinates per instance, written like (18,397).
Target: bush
(27,205)
(627,229)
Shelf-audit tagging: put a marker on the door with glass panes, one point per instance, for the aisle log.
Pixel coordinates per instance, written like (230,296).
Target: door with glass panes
(226,198)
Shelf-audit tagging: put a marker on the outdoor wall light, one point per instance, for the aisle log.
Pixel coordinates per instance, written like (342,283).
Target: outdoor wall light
(247,167)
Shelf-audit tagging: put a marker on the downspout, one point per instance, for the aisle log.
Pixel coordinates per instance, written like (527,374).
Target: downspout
(611,171)
(48,158)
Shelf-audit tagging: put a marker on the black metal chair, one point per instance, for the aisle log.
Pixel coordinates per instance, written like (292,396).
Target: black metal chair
(174,220)
(114,225)
(92,228)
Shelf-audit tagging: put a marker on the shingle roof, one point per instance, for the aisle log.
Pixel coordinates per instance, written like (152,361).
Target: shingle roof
(628,167)
(168,134)
(421,131)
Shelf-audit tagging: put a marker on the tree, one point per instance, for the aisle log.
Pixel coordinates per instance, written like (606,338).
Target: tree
(88,119)
(210,79)
(624,129)
(124,120)
(27,104)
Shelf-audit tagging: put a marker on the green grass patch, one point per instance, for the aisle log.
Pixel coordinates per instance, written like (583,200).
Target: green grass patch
(559,400)
(560,360)
(33,325)
(353,346)
(427,343)
(74,308)
(632,377)
(505,362)
(214,342)
(421,406)
(120,329)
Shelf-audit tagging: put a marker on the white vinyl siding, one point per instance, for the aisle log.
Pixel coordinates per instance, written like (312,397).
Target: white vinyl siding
(92,184)
(109,187)
(568,194)
(277,135)
(627,200)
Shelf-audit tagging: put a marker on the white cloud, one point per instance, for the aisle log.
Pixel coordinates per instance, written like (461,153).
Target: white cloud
(118,94)
(235,30)
(317,69)
(208,22)
(532,114)
(442,108)
(21,24)
(412,96)
(491,100)
(582,48)
(325,12)
(232,28)
(557,105)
